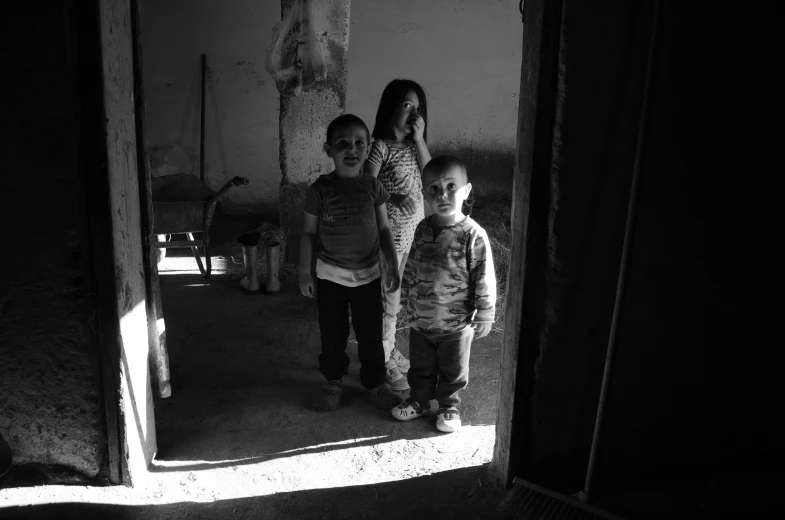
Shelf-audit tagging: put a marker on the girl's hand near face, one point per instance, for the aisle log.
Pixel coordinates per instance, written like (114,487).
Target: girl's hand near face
(418,127)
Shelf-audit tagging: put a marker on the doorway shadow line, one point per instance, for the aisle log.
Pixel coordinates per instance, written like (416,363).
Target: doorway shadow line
(322,448)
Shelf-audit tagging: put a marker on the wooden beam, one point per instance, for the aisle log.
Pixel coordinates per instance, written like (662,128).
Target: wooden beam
(156,330)
(103,323)
(524,312)
(124,319)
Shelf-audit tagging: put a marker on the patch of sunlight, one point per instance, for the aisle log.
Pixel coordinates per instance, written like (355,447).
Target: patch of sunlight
(337,464)
(134,353)
(188,463)
(172,265)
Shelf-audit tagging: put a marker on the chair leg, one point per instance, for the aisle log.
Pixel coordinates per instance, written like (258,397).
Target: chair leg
(195,251)
(207,258)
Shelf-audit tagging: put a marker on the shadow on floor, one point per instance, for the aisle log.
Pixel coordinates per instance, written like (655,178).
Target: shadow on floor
(456,494)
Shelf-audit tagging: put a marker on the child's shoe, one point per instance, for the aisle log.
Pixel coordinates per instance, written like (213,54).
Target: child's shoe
(400,360)
(410,409)
(394,378)
(329,396)
(382,397)
(448,419)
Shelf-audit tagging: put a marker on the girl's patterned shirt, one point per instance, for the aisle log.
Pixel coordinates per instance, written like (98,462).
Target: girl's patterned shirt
(399,173)
(449,281)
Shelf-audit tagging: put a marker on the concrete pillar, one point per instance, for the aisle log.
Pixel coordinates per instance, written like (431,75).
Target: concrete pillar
(304,119)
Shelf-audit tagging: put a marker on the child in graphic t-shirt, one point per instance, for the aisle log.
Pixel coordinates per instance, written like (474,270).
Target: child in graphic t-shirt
(345,223)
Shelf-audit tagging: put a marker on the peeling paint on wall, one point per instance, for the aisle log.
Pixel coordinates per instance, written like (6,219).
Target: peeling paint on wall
(304,120)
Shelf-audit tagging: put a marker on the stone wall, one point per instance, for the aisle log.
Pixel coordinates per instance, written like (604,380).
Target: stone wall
(50,386)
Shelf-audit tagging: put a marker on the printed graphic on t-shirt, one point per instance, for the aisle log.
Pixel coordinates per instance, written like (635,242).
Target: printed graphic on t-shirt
(349,212)
(348,236)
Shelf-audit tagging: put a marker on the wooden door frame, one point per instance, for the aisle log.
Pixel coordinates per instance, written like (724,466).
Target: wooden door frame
(131,428)
(118,244)
(525,296)
(156,330)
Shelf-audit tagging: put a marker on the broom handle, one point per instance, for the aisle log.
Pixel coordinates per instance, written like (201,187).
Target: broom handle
(585,495)
(201,119)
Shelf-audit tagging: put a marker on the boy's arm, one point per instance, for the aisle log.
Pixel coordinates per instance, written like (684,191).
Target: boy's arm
(393,281)
(371,169)
(373,163)
(483,277)
(307,243)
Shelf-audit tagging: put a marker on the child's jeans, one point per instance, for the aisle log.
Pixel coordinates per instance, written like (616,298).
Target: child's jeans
(439,365)
(333,301)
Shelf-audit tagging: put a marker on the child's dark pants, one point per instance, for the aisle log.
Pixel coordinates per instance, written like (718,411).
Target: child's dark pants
(439,365)
(333,301)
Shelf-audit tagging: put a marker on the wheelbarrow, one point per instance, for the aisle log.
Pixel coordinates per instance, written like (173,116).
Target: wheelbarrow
(183,204)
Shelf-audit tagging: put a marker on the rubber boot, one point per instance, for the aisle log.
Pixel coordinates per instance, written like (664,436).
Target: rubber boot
(272,256)
(250,281)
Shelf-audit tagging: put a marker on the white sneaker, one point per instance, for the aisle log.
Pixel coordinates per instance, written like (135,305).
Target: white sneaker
(448,420)
(409,409)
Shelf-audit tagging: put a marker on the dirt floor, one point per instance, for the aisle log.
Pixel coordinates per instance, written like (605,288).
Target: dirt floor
(239,438)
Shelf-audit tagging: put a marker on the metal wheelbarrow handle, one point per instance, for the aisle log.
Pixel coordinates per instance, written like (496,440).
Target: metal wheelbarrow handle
(236,181)
(209,211)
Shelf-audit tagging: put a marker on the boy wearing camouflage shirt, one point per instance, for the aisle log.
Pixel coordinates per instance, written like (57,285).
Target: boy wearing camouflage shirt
(449,290)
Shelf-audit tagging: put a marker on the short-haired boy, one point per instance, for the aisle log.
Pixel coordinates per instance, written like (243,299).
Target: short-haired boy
(345,222)
(449,286)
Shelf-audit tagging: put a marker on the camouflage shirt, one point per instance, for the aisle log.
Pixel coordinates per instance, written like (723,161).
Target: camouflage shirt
(449,281)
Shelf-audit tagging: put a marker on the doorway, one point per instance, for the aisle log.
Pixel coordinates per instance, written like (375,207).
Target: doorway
(241,366)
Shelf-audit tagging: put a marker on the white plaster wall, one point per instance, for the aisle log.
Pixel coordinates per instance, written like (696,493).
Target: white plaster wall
(465,53)
(467,56)
(241,122)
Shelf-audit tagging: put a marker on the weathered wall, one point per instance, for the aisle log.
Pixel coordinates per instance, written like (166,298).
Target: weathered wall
(241,101)
(467,56)
(50,397)
(304,118)
(465,53)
